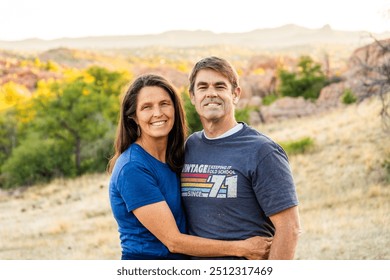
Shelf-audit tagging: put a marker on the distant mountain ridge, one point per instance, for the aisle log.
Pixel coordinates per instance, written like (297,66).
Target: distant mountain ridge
(286,36)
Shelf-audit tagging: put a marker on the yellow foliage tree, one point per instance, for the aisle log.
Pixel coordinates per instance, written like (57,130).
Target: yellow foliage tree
(18,97)
(13,94)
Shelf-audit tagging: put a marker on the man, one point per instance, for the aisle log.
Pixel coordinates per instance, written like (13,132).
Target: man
(236,182)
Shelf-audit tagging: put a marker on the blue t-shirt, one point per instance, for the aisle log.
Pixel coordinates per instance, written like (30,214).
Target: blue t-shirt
(139,179)
(232,185)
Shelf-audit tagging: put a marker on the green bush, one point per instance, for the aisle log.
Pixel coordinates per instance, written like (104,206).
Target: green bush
(269,99)
(8,133)
(192,117)
(348,97)
(95,157)
(242,115)
(386,166)
(299,146)
(36,161)
(70,131)
(306,82)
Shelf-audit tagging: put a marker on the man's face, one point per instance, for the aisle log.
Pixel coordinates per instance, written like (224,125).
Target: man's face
(214,97)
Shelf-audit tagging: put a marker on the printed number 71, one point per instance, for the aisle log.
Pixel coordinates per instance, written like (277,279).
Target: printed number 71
(219,180)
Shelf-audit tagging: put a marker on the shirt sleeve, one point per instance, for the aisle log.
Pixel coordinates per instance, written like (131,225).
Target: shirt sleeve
(138,186)
(274,185)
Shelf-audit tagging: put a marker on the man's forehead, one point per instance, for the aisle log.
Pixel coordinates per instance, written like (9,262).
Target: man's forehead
(210,76)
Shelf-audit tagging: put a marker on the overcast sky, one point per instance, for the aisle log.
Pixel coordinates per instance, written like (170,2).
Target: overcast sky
(50,19)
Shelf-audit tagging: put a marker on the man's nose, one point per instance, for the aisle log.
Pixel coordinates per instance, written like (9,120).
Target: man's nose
(211,92)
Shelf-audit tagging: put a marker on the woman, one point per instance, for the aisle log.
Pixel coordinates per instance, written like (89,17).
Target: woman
(144,186)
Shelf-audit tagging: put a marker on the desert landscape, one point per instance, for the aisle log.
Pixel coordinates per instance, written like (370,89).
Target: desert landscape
(343,180)
(344,200)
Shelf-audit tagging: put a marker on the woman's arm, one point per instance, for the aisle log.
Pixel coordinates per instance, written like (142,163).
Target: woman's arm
(159,220)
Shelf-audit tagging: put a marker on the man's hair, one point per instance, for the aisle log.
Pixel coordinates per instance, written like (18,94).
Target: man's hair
(217,64)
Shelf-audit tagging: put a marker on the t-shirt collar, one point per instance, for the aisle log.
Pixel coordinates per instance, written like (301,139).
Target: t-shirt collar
(231,131)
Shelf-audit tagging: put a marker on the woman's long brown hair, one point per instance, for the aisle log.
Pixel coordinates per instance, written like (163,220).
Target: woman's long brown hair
(127,128)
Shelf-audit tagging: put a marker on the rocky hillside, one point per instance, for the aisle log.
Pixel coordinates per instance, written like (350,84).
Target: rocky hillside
(342,185)
(343,193)
(365,70)
(258,71)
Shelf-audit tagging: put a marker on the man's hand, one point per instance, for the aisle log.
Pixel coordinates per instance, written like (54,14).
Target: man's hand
(257,247)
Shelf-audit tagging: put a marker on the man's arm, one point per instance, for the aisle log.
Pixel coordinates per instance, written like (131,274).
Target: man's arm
(287,230)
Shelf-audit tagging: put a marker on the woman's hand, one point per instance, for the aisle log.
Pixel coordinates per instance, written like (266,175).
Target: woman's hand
(257,247)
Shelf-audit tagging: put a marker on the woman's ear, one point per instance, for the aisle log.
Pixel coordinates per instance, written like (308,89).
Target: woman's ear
(134,119)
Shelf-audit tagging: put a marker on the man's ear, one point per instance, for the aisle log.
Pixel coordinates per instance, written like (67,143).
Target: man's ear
(236,95)
(192,97)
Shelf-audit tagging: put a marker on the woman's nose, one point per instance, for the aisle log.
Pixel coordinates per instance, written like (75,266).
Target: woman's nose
(157,111)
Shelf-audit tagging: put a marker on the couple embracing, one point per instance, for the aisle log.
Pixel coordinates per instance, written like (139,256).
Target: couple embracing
(225,192)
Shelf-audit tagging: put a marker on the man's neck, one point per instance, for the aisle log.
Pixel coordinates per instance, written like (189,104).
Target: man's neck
(215,129)
(228,133)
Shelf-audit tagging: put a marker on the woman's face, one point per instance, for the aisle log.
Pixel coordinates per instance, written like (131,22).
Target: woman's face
(155,113)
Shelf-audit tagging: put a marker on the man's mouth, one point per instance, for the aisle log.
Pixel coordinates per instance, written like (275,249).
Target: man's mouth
(212,104)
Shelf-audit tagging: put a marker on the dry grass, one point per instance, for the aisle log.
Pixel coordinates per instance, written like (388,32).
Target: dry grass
(67,219)
(345,204)
(344,199)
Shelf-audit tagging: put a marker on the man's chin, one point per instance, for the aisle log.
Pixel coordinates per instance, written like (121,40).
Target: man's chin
(212,118)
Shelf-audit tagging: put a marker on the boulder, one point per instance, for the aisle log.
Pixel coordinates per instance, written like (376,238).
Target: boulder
(288,107)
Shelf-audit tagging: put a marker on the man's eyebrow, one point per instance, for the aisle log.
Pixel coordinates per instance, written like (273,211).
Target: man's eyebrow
(220,83)
(201,83)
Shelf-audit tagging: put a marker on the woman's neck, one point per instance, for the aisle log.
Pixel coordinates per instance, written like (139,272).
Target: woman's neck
(155,147)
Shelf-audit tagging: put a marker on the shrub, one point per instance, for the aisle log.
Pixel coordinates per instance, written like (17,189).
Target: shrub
(269,99)
(192,117)
(242,115)
(386,166)
(95,158)
(8,133)
(299,146)
(307,81)
(348,97)
(36,161)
